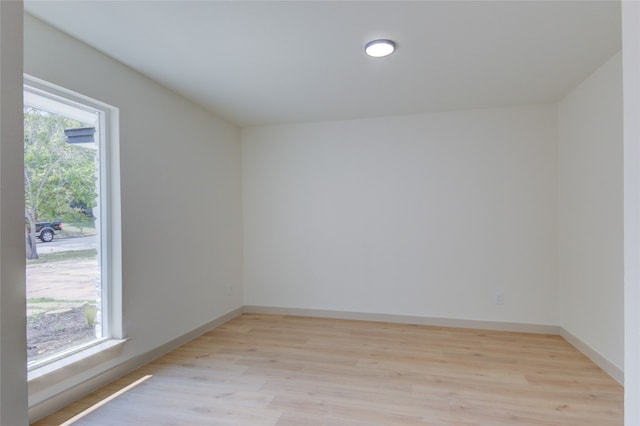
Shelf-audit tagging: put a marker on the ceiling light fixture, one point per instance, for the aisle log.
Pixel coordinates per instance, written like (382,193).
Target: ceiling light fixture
(379,48)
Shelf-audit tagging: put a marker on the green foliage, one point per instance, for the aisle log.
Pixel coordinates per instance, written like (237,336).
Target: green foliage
(90,313)
(56,174)
(86,226)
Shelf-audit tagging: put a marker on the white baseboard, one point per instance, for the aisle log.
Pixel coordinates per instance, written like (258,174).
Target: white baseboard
(408,319)
(65,397)
(616,373)
(607,366)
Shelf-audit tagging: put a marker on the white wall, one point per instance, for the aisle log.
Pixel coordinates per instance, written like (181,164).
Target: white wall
(590,202)
(631,84)
(13,383)
(181,193)
(425,215)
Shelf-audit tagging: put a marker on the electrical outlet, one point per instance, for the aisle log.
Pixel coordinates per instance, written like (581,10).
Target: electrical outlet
(229,289)
(499,298)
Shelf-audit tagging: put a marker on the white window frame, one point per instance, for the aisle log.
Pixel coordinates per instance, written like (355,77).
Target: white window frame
(110,244)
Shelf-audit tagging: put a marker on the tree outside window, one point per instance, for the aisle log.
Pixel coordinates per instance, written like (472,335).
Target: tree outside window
(60,178)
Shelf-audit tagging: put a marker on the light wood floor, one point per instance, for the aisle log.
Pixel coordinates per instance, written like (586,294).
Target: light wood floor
(295,371)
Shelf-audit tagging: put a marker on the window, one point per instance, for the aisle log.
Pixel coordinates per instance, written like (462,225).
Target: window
(71,222)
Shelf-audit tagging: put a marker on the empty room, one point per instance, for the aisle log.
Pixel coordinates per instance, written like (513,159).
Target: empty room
(322,213)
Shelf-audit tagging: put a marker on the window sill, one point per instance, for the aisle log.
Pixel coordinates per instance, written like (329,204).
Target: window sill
(50,374)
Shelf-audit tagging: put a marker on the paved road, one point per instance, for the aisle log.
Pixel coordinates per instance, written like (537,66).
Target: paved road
(65,244)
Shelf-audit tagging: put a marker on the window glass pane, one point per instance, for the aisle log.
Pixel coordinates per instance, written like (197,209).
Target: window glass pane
(62,225)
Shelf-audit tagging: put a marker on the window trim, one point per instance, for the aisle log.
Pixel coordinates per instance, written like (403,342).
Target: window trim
(110,250)
(47,375)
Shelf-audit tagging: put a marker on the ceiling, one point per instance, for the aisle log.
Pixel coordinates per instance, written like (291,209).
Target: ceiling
(271,62)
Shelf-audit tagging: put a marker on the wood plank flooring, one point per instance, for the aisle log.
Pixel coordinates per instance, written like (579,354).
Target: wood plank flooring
(266,370)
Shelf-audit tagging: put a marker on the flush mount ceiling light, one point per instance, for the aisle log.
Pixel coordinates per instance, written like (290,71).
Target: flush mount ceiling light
(379,48)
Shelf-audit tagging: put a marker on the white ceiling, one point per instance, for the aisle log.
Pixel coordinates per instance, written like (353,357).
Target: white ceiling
(281,62)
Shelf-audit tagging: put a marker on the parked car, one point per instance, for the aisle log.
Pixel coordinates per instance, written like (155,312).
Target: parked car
(46,230)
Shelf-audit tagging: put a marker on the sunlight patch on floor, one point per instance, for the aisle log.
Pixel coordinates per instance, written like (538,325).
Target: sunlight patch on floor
(105,401)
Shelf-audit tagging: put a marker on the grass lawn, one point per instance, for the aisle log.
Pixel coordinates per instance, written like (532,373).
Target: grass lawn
(77,229)
(42,305)
(63,255)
